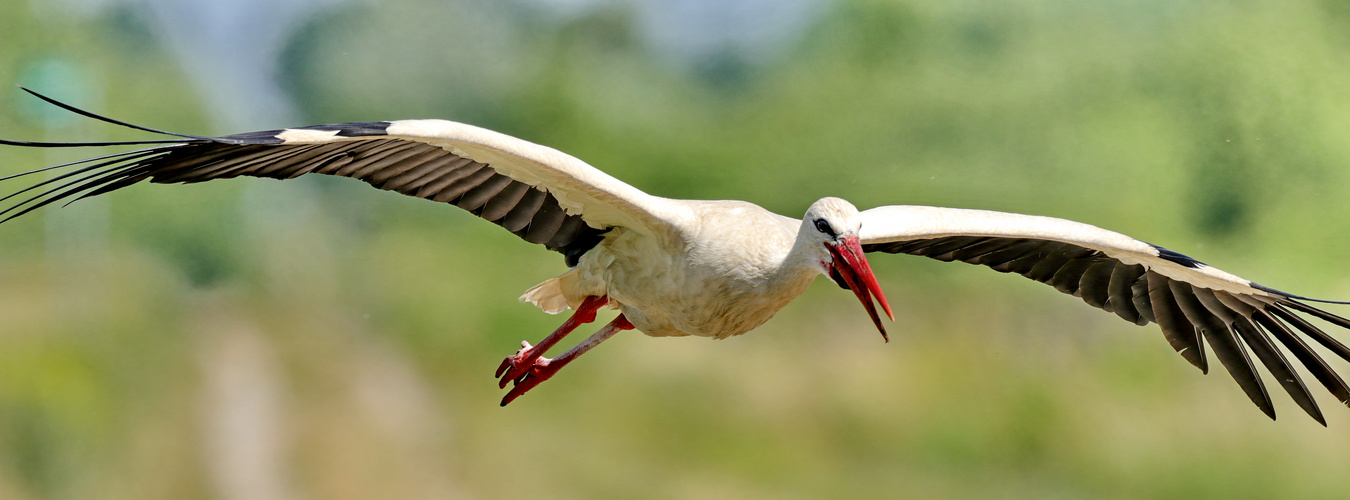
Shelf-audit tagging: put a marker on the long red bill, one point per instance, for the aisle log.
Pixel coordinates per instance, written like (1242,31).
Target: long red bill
(853,267)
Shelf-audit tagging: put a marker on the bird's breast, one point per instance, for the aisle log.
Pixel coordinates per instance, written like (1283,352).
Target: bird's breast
(716,282)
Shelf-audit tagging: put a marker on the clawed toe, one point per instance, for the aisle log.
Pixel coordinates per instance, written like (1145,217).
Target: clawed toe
(516,365)
(528,368)
(542,369)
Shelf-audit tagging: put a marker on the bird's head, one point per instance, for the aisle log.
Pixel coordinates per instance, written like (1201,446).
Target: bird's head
(831,227)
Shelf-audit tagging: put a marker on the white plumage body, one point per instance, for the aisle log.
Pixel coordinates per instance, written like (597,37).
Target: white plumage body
(724,272)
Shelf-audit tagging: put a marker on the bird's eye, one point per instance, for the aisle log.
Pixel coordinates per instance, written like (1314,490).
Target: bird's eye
(824,227)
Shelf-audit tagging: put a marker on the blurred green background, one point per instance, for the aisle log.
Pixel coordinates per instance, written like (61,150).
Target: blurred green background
(317,339)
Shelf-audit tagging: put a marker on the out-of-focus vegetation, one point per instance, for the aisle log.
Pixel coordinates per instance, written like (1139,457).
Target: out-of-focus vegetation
(320,339)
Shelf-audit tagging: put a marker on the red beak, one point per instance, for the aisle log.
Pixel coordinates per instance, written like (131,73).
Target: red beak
(852,266)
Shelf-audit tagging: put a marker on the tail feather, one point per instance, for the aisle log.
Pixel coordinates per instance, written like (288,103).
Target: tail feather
(548,296)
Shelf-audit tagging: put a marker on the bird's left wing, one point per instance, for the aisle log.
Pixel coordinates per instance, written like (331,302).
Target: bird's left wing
(1140,282)
(539,193)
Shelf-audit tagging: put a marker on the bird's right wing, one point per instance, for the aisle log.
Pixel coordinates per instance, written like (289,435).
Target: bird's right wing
(1140,282)
(541,194)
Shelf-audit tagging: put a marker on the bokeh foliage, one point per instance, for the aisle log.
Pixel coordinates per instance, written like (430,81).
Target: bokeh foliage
(1214,128)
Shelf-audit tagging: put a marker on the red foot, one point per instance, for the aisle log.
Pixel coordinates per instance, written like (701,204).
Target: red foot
(528,368)
(543,369)
(516,365)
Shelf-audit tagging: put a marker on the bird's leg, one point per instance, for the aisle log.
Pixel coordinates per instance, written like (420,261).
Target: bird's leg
(544,368)
(515,366)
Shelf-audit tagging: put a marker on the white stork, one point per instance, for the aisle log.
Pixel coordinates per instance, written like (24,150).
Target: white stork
(721,268)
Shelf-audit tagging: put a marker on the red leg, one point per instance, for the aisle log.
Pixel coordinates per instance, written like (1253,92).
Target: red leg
(515,366)
(544,368)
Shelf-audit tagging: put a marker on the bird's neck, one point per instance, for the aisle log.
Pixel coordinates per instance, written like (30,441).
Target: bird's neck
(806,260)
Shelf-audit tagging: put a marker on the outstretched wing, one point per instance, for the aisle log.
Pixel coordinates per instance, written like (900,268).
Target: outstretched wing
(1141,283)
(540,194)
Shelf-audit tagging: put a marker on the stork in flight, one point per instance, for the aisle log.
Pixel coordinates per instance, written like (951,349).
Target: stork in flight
(721,268)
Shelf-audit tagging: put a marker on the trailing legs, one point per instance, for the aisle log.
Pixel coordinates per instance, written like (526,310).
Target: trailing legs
(527,368)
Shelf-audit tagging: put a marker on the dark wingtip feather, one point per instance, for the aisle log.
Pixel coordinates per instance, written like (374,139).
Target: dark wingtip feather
(1180,334)
(102,118)
(1310,359)
(1177,257)
(33,144)
(61,192)
(1292,296)
(1225,344)
(123,155)
(1278,366)
(1317,334)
